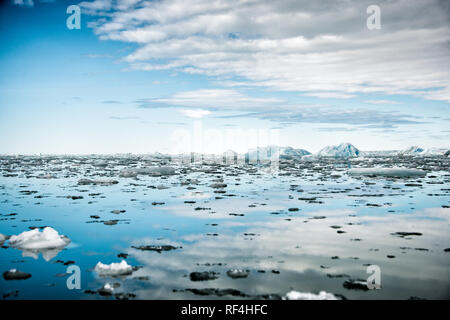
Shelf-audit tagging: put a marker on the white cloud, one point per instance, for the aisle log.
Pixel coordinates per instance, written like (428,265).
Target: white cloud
(300,46)
(336,95)
(195,113)
(217,99)
(238,105)
(382,102)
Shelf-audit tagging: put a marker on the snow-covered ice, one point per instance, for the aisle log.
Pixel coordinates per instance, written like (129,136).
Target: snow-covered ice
(113,269)
(49,238)
(343,150)
(295,295)
(418,151)
(237,273)
(48,242)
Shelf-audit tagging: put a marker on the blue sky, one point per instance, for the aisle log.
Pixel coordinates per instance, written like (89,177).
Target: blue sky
(144,76)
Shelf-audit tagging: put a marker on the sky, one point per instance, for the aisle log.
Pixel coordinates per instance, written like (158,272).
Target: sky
(176,76)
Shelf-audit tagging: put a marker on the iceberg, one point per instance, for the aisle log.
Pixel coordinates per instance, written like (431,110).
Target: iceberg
(291,153)
(343,150)
(113,269)
(295,295)
(48,242)
(2,239)
(387,172)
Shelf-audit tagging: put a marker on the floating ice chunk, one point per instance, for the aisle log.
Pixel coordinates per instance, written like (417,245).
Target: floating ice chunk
(2,239)
(387,172)
(49,238)
(196,195)
(156,171)
(15,274)
(237,273)
(295,295)
(48,242)
(106,290)
(46,176)
(97,182)
(113,269)
(152,171)
(128,173)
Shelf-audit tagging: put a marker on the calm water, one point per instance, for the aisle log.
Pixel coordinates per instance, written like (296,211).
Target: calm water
(342,225)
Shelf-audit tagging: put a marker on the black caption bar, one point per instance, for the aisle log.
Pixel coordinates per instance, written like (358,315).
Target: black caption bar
(210,309)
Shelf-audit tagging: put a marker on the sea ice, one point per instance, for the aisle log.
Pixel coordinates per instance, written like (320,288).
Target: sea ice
(106,290)
(237,273)
(418,151)
(387,172)
(113,269)
(152,171)
(295,295)
(48,242)
(97,182)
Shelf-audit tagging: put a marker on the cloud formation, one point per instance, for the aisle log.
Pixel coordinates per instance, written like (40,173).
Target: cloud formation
(239,105)
(321,47)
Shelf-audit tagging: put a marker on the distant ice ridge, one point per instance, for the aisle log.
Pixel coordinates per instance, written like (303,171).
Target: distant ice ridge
(418,151)
(343,150)
(113,269)
(267,153)
(295,295)
(289,153)
(48,242)
(387,172)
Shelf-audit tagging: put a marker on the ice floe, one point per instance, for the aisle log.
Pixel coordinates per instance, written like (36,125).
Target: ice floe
(113,269)
(15,274)
(151,171)
(295,295)
(237,273)
(48,242)
(106,290)
(84,182)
